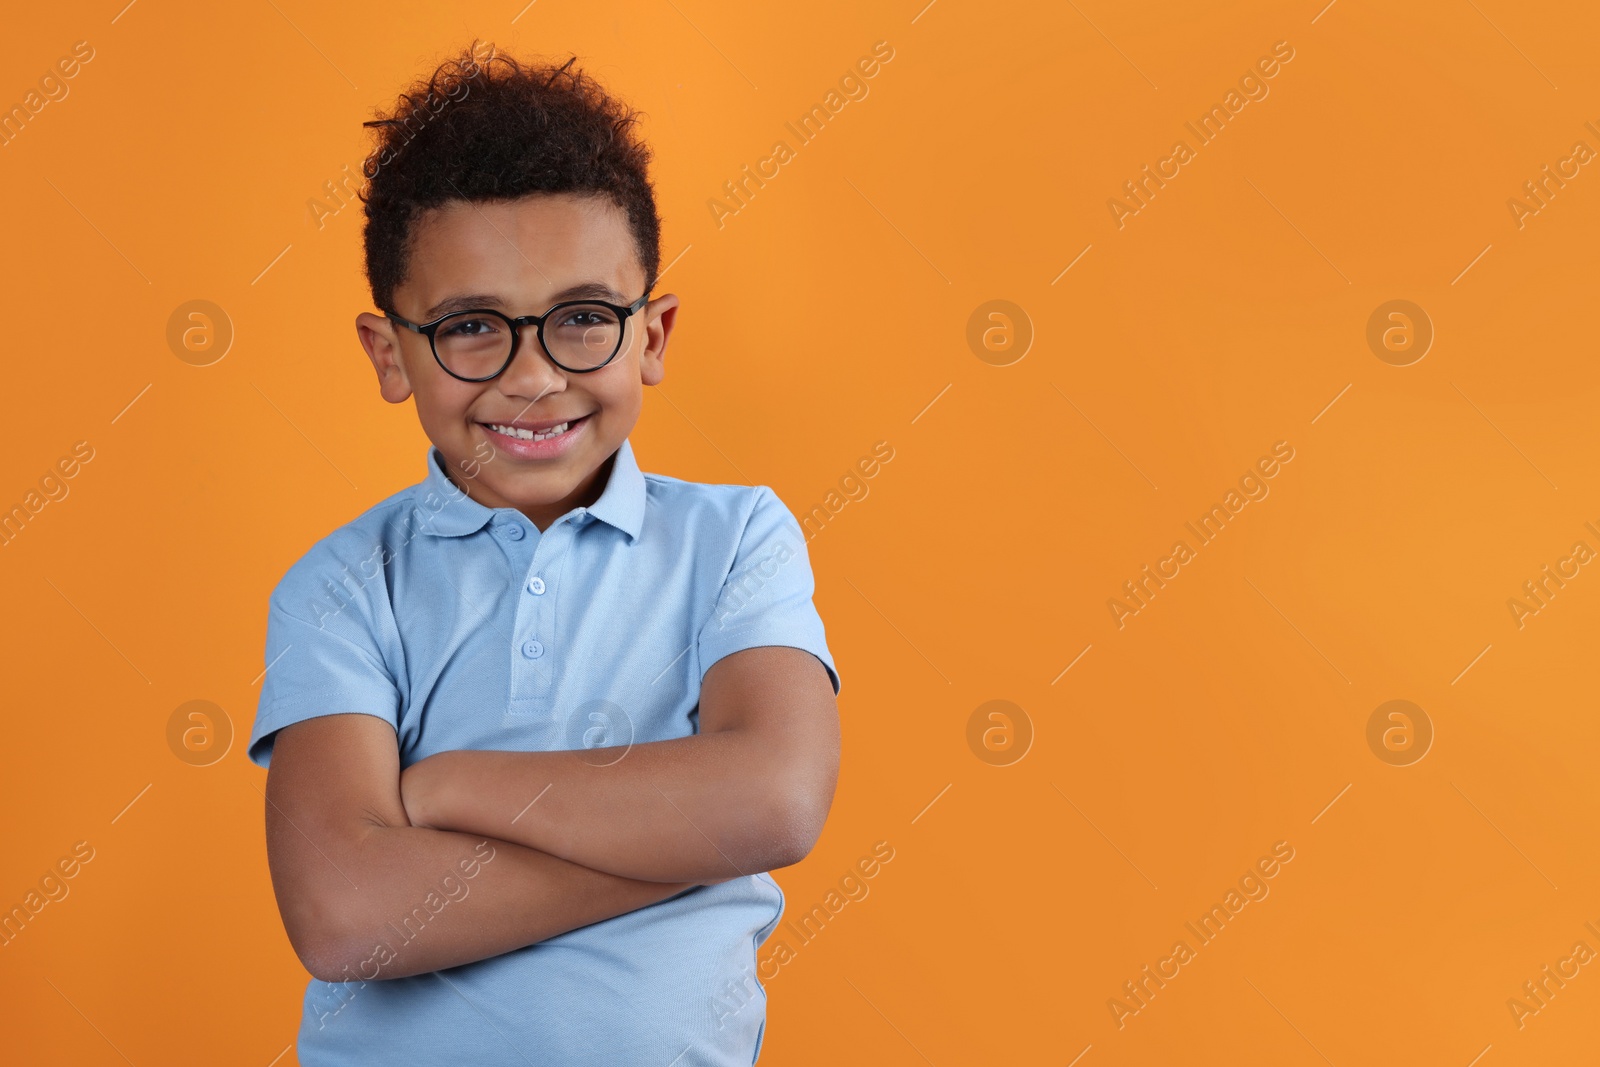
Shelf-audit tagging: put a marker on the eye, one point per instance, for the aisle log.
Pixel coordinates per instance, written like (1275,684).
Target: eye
(584,317)
(468,326)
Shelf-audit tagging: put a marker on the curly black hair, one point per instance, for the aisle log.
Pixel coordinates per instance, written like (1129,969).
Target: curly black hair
(497,129)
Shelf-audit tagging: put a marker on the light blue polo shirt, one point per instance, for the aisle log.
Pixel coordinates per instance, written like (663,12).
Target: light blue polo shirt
(465,628)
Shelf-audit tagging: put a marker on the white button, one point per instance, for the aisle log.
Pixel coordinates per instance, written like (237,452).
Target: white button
(536,585)
(532,649)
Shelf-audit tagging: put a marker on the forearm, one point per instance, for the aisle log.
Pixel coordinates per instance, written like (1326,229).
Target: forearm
(413,900)
(711,805)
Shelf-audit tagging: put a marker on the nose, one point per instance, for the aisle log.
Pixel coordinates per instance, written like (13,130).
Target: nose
(532,374)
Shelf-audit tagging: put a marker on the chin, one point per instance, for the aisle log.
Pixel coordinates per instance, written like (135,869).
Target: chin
(532,490)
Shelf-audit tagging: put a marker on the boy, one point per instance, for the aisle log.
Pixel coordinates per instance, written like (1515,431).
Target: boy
(539,724)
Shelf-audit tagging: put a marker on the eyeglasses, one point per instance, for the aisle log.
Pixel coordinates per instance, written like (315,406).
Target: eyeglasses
(478,345)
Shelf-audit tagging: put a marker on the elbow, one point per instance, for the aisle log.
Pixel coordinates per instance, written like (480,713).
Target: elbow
(324,958)
(795,824)
(800,796)
(341,960)
(788,849)
(327,968)
(326,948)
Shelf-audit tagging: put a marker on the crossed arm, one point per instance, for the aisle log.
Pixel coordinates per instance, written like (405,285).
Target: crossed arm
(748,793)
(362,854)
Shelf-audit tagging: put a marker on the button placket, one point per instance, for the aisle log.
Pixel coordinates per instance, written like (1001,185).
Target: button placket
(532,668)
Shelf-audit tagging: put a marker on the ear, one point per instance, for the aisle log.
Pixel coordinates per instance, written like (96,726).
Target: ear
(380,340)
(659,315)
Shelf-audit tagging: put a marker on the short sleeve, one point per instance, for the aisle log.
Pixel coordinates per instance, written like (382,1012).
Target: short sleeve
(766,597)
(321,660)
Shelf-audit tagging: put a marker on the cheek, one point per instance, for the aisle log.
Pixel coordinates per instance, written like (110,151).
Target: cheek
(442,402)
(621,396)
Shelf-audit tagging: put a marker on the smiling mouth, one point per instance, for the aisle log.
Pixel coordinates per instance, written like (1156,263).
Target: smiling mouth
(520,434)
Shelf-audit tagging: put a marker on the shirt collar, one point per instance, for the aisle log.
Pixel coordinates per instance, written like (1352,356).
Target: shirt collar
(621,503)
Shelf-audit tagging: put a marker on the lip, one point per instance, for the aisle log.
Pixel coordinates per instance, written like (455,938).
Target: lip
(547,449)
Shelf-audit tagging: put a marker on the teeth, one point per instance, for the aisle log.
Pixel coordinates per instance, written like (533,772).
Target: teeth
(529,435)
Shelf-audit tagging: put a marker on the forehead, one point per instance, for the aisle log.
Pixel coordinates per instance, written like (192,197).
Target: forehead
(526,248)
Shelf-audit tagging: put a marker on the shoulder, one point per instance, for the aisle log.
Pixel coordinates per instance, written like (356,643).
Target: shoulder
(710,507)
(730,530)
(349,555)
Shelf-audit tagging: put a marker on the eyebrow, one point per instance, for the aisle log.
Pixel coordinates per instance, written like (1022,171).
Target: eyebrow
(469,301)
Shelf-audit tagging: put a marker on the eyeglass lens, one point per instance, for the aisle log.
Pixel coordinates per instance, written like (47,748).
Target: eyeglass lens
(578,336)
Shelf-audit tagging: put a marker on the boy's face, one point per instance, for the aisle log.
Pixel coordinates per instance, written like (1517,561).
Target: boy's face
(521,256)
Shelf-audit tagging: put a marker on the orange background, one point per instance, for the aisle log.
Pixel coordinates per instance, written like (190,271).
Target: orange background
(1230,313)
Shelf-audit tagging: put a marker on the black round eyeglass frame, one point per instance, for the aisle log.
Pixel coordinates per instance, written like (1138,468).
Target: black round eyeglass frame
(514,325)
